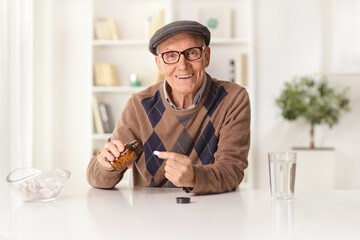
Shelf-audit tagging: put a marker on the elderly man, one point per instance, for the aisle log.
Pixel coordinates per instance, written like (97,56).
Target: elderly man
(195,129)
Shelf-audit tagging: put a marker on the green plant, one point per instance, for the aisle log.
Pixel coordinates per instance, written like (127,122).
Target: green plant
(314,100)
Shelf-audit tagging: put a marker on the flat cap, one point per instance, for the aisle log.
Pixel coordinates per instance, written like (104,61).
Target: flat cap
(183,26)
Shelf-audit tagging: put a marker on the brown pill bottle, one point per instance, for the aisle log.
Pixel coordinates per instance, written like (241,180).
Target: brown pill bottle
(131,153)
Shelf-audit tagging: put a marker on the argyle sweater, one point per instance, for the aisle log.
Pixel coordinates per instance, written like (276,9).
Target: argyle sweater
(215,134)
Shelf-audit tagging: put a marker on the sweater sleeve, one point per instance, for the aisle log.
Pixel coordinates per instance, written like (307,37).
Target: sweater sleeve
(97,176)
(230,159)
(126,130)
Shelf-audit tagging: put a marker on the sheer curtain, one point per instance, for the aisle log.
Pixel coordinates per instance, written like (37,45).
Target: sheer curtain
(16,79)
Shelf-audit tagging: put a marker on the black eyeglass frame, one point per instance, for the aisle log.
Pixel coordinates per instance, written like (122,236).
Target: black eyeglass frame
(179,54)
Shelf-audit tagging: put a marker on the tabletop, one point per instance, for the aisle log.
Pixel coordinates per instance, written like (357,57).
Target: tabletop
(152,213)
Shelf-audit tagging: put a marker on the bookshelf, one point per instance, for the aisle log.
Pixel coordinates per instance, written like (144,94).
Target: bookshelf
(130,54)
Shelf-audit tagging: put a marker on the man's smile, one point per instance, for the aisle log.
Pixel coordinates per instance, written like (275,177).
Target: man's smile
(184,76)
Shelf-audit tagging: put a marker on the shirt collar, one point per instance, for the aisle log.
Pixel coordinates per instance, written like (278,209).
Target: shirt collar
(196,98)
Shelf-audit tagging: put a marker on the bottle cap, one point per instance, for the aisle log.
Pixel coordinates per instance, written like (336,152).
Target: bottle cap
(182,200)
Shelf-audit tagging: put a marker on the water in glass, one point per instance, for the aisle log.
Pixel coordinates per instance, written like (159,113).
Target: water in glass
(282,178)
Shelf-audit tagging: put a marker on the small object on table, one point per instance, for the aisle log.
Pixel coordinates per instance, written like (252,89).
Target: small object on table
(182,200)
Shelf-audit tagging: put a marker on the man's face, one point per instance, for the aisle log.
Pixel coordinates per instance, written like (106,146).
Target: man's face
(184,77)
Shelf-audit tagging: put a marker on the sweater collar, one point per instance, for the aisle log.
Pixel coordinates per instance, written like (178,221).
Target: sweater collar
(196,98)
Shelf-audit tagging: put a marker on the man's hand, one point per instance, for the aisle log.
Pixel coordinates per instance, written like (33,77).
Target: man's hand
(109,152)
(178,169)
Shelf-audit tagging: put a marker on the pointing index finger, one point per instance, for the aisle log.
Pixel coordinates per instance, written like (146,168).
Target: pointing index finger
(167,155)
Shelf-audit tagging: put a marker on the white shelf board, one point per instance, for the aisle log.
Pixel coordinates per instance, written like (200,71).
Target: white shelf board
(117,89)
(229,41)
(124,42)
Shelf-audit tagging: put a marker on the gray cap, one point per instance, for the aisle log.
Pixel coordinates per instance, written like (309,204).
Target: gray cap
(171,29)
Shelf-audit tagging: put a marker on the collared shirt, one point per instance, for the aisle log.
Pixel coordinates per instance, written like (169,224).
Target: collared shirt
(196,98)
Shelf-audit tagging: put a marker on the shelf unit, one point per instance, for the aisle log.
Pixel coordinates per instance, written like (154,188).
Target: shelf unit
(130,54)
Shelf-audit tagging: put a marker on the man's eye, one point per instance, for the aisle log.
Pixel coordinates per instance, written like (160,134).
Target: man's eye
(193,52)
(171,55)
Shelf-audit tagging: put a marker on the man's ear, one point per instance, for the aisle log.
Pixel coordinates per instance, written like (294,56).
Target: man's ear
(159,65)
(207,56)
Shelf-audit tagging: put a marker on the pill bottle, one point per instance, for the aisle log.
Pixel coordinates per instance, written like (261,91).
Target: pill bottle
(130,154)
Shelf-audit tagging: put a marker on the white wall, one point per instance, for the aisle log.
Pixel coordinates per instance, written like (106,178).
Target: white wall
(289,43)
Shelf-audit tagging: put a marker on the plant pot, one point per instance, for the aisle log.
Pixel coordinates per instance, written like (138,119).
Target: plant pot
(315,168)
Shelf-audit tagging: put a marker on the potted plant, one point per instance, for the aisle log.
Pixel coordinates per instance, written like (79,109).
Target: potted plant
(314,100)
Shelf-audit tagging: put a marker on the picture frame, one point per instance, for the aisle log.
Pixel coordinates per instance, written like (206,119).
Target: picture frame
(218,20)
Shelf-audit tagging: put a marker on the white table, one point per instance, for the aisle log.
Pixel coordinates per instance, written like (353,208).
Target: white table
(152,213)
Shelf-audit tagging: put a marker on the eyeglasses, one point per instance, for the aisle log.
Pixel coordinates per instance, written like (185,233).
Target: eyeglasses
(191,54)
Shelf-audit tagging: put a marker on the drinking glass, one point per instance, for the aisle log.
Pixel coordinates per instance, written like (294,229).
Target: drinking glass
(282,170)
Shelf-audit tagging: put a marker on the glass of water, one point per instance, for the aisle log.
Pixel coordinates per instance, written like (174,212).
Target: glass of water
(282,170)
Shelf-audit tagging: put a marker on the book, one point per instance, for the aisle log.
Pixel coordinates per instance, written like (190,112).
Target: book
(106,29)
(102,29)
(154,22)
(106,118)
(232,70)
(158,20)
(148,31)
(114,29)
(244,73)
(105,74)
(99,128)
(241,73)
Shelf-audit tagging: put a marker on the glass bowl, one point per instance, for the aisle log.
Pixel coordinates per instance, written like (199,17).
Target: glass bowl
(34,185)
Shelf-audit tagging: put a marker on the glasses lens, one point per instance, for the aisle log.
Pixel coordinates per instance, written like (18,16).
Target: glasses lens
(170,57)
(193,54)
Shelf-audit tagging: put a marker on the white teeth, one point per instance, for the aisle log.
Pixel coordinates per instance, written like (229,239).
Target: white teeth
(185,76)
